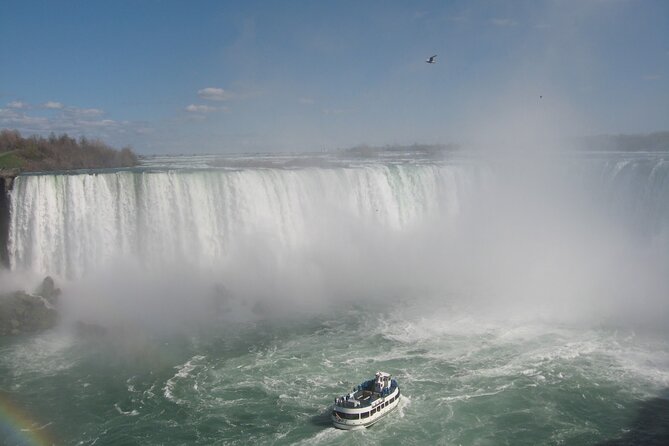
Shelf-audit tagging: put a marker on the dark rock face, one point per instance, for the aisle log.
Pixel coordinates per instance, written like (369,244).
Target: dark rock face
(48,290)
(21,312)
(5,186)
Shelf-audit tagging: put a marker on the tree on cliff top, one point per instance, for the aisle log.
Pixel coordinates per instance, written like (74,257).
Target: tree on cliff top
(36,153)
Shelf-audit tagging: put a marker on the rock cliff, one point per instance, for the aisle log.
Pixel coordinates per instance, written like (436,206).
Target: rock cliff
(21,312)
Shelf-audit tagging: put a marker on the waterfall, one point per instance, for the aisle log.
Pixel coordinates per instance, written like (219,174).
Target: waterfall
(69,224)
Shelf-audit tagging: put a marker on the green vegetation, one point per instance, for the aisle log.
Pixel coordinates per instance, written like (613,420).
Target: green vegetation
(36,153)
(9,160)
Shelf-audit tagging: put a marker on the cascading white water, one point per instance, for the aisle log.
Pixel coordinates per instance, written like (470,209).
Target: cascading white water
(70,224)
(566,234)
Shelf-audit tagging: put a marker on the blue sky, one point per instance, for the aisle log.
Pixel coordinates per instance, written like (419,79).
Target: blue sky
(228,76)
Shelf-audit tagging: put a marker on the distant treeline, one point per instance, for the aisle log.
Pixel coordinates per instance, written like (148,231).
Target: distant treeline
(424,149)
(59,152)
(651,142)
(648,142)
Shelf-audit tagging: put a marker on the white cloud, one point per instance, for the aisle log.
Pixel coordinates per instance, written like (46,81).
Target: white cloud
(87,111)
(51,105)
(17,105)
(652,77)
(71,120)
(6,113)
(76,112)
(97,124)
(214,94)
(306,101)
(12,119)
(498,21)
(192,108)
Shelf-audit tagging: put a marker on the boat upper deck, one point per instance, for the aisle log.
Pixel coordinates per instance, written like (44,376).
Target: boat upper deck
(365,395)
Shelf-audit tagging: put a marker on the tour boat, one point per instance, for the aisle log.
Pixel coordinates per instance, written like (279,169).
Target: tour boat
(367,403)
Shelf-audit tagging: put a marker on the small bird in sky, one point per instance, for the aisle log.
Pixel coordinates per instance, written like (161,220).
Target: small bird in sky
(432,59)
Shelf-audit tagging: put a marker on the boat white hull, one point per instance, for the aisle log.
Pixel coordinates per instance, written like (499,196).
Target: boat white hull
(361,423)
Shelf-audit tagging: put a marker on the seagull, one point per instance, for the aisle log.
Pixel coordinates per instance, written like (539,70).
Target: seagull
(432,59)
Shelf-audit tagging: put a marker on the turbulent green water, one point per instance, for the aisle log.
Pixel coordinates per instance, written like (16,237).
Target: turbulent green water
(464,381)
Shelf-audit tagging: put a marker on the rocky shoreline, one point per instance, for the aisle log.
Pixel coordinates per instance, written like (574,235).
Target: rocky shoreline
(24,313)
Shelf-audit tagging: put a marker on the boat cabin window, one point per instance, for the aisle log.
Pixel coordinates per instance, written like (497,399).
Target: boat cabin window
(346,416)
(372,412)
(364,415)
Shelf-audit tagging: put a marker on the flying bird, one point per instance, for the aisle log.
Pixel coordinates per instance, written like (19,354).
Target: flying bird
(432,59)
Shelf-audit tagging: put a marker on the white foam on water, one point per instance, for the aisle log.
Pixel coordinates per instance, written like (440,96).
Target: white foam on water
(45,354)
(476,394)
(324,436)
(129,413)
(183,373)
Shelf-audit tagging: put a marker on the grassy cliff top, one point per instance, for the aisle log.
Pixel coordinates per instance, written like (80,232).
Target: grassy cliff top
(37,153)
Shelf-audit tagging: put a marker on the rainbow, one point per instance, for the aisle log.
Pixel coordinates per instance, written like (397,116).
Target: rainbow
(18,429)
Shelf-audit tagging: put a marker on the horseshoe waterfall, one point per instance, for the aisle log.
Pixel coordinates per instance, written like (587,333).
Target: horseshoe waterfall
(518,298)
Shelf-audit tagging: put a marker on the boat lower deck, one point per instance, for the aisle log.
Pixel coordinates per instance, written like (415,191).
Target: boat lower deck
(365,409)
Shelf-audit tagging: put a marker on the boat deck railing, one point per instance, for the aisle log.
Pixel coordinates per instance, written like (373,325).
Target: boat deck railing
(364,397)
